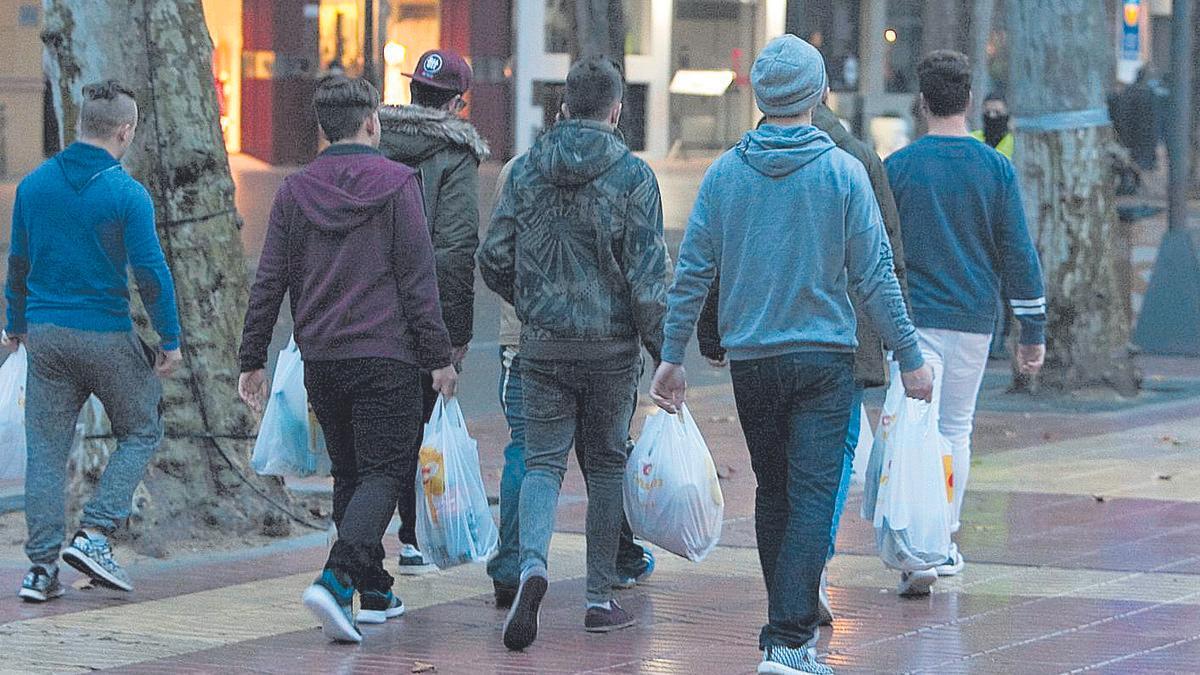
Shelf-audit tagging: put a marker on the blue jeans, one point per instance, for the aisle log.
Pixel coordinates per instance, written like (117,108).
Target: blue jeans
(589,404)
(505,567)
(847,465)
(65,367)
(794,410)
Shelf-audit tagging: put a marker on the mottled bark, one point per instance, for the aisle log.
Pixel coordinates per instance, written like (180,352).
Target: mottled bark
(599,29)
(1057,67)
(199,483)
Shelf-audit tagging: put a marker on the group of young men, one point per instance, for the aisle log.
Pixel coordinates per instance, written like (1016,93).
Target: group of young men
(375,243)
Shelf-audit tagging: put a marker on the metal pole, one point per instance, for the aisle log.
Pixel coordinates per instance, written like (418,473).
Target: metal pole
(1180,138)
(369,42)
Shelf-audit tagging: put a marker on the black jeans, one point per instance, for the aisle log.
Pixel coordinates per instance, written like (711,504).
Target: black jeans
(407,504)
(370,411)
(794,410)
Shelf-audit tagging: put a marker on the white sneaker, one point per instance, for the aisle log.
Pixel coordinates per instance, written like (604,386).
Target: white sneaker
(413,563)
(953,566)
(916,584)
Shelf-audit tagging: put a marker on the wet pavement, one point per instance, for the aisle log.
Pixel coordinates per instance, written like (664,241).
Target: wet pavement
(1081,532)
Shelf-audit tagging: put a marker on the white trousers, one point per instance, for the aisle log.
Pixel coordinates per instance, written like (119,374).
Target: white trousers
(958,361)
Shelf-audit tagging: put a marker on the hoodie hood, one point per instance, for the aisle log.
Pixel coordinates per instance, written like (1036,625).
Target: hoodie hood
(576,152)
(345,186)
(413,134)
(82,162)
(777,151)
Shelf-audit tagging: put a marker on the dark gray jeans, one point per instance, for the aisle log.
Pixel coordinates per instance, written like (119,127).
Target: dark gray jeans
(589,403)
(65,367)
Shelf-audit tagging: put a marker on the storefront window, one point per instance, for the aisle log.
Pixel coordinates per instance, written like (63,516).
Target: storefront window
(560,22)
(903,38)
(832,26)
(413,28)
(341,36)
(224,19)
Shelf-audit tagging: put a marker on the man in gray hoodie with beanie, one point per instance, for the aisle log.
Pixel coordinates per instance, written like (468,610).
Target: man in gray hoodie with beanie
(791,224)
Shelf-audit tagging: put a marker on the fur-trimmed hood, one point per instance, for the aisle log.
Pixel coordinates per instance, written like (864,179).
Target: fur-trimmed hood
(413,133)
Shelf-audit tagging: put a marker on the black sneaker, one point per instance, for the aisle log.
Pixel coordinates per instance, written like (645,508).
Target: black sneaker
(378,607)
(505,594)
(331,600)
(521,626)
(92,555)
(600,620)
(40,585)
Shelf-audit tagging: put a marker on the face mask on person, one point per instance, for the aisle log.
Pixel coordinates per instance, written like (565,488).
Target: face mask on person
(995,128)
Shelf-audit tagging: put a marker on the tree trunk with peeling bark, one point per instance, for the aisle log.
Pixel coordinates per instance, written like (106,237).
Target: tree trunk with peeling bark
(1057,67)
(199,484)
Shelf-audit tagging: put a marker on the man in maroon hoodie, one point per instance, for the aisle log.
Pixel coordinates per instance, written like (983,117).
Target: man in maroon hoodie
(347,240)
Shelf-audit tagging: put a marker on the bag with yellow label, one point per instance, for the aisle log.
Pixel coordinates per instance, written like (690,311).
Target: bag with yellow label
(911,475)
(454,521)
(672,494)
(12,415)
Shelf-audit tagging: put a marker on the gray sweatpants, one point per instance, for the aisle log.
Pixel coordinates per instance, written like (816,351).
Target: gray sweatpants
(65,367)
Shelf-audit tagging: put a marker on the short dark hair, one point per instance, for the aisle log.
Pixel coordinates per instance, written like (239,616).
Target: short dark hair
(945,77)
(106,107)
(430,97)
(594,84)
(343,104)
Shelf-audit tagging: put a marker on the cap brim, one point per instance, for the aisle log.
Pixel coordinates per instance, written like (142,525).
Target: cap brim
(430,83)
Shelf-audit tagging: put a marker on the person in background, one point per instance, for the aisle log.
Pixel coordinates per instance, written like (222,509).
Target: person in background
(786,192)
(576,246)
(964,230)
(997,133)
(635,563)
(431,137)
(870,367)
(348,243)
(997,125)
(79,223)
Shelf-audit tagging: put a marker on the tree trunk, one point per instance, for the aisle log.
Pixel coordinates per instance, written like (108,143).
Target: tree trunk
(1057,68)
(199,483)
(982,14)
(942,24)
(599,30)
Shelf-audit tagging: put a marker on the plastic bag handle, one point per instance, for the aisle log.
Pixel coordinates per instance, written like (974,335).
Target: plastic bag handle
(447,412)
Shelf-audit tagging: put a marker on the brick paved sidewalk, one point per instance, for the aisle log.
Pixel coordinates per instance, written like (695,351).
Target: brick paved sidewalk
(1057,581)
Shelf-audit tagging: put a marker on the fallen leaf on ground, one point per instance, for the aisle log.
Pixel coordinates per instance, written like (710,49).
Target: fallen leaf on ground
(1164,476)
(422,667)
(1100,498)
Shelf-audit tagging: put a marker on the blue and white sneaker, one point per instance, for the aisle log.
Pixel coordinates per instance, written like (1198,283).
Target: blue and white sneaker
(792,661)
(629,578)
(331,600)
(40,585)
(91,554)
(377,607)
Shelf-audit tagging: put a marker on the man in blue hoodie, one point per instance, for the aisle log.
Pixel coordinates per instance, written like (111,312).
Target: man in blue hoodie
(79,222)
(963,224)
(791,224)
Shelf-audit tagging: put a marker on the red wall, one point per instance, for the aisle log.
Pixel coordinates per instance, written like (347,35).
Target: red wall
(278,122)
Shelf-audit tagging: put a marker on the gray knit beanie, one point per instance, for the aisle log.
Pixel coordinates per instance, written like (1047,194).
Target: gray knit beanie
(788,77)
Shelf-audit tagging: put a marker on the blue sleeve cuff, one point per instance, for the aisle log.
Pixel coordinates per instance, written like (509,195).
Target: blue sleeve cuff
(673,351)
(1033,333)
(910,358)
(169,344)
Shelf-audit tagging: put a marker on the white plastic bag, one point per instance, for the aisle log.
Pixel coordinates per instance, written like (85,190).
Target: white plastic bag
(672,494)
(12,415)
(862,452)
(454,521)
(289,441)
(911,510)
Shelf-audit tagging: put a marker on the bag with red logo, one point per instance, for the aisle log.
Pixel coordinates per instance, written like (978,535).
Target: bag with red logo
(672,494)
